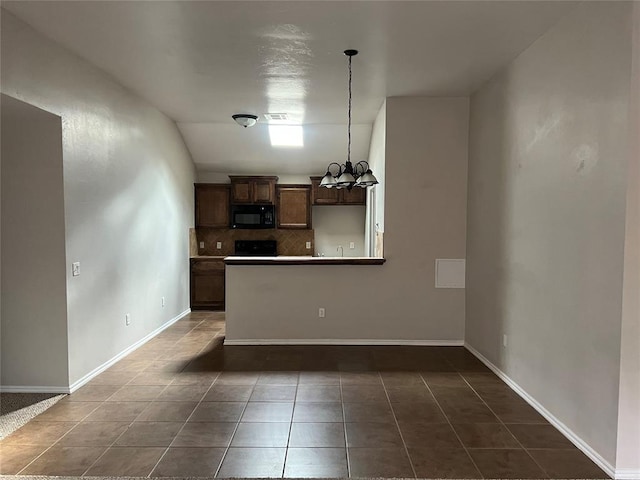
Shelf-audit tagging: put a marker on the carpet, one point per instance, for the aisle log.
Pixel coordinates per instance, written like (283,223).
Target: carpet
(16,409)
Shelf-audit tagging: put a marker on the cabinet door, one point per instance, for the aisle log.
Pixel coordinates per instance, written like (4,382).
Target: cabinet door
(321,195)
(212,205)
(294,209)
(264,191)
(355,196)
(241,191)
(253,189)
(207,284)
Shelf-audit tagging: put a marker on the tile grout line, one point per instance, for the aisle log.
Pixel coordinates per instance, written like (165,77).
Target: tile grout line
(54,443)
(344,425)
(167,386)
(505,426)
(183,363)
(123,432)
(133,421)
(449,421)
(295,402)
(233,434)
(404,444)
(102,402)
(194,409)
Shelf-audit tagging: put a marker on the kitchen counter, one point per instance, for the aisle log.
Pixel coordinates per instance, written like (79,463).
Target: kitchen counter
(305,300)
(207,257)
(303,260)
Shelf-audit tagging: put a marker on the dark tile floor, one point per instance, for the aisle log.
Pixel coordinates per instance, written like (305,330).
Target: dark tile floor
(185,405)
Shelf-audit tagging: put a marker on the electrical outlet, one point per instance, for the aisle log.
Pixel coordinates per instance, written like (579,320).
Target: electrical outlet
(504,340)
(352,245)
(321,312)
(163,301)
(201,244)
(75,268)
(219,245)
(127,319)
(308,245)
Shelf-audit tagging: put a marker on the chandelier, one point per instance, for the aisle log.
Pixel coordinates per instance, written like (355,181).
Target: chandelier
(348,175)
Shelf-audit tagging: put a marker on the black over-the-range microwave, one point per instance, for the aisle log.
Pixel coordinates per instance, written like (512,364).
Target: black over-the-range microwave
(253,216)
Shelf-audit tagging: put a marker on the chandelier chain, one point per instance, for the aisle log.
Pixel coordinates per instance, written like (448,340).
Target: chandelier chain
(349,124)
(349,175)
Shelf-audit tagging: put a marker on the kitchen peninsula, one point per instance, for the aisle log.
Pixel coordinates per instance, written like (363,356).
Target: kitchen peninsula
(301,300)
(303,260)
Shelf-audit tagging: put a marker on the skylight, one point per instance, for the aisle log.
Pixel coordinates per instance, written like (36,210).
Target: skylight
(286,135)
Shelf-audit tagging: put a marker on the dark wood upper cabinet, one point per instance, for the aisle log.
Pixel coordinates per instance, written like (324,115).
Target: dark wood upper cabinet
(355,196)
(294,206)
(333,196)
(322,196)
(253,189)
(264,190)
(241,191)
(212,205)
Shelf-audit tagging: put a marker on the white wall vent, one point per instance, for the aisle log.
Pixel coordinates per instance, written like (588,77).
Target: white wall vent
(450,272)
(276,117)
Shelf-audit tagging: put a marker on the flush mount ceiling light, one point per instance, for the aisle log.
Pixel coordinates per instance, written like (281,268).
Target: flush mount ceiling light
(245,119)
(347,175)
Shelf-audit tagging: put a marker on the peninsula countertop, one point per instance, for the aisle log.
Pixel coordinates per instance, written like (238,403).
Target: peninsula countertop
(303,260)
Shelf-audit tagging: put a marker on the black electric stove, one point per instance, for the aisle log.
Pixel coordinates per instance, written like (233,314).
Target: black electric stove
(256,248)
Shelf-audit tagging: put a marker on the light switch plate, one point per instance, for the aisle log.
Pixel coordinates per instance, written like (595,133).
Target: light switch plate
(218,245)
(201,244)
(352,245)
(308,245)
(75,268)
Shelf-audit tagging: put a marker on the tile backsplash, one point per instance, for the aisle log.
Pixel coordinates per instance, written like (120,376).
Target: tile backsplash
(290,242)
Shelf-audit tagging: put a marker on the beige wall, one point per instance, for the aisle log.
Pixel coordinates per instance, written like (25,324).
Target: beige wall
(547,182)
(425,213)
(128,195)
(336,226)
(377,162)
(34,307)
(628,454)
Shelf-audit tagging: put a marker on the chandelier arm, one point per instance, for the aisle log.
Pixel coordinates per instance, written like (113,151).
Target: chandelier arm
(339,168)
(361,166)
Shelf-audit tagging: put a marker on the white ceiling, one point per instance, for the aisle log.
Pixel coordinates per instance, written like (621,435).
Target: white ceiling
(202,61)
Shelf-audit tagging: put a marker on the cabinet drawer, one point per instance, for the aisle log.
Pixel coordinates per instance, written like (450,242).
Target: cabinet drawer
(203,266)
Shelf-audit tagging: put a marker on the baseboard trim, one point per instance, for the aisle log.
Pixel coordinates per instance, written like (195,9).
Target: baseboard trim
(32,389)
(98,370)
(627,474)
(566,431)
(346,341)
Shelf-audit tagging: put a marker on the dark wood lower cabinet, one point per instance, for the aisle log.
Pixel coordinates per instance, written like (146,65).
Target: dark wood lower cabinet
(207,284)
